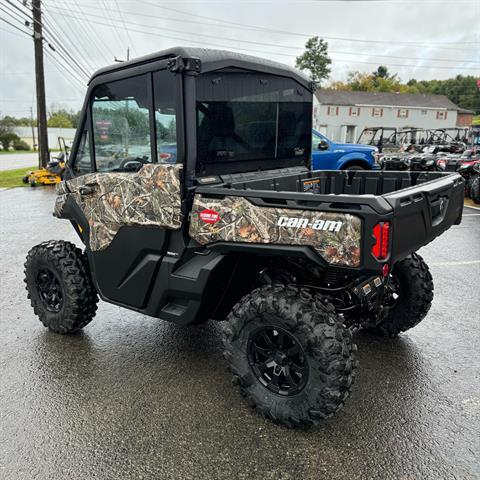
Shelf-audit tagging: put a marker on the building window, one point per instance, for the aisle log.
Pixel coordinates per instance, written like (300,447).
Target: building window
(402,113)
(354,111)
(424,112)
(442,115)
(377,112)
(332,111)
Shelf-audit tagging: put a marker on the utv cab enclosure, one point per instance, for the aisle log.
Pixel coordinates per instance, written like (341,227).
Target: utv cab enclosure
(189,184)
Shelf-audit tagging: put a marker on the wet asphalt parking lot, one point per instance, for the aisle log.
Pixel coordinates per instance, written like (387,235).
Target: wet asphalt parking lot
(132,397)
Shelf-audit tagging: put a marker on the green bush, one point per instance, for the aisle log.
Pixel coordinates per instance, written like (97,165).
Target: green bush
(20,145)
(7,138)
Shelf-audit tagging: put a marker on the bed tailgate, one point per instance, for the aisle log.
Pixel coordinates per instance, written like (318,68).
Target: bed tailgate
(423,212)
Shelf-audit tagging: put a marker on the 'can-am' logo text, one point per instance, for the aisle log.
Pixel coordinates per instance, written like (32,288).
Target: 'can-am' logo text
(325,225)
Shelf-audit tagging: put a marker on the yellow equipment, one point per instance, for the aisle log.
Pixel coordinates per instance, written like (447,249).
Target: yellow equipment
(52,173)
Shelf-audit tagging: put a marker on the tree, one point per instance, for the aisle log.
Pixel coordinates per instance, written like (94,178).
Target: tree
(9,121)
(382,72)
(461,90)
(315,59)
(59,120)
(60,117)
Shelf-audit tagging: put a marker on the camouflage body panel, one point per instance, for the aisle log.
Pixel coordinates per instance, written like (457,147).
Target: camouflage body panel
(151,196)
(335,236)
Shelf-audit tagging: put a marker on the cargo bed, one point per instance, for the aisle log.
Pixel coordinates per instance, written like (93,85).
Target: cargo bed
(419,206)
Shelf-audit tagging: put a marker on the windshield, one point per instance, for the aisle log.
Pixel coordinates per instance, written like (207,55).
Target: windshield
(250,116)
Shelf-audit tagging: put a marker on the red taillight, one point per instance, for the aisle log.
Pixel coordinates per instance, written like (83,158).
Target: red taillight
(381,232)
(442,163)
(164,156)
(377,233)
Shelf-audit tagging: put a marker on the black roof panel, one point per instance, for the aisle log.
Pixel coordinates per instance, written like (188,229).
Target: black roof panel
(212,60)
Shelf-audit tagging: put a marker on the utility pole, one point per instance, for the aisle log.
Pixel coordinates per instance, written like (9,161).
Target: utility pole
(43,155)
(33,129)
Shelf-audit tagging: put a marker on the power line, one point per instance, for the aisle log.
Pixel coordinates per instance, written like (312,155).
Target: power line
(46,51)
(129,38)
(267,52)
(70,59)
(65,41)
(94,37)
(115,31)
(398,57)
(16,28)
(21,18)
(17,35)
(256,27)
(57,64)
(243,26)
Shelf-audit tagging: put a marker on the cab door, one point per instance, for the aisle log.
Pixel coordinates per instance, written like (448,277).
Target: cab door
(127,189)
(323,157)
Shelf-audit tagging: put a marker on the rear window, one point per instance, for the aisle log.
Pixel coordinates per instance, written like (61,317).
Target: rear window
(250,116)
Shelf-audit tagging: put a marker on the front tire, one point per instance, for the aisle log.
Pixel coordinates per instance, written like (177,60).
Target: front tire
(290,354)
(59,286)
(410,299)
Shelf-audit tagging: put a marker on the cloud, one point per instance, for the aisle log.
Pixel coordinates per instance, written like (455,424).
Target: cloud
(430,39)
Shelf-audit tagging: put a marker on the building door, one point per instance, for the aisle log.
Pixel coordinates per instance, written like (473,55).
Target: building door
(351,134)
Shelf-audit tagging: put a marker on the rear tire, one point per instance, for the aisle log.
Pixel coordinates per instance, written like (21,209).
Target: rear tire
(355,167)
(415,295)
(475,190)
(59,286)
(307,368)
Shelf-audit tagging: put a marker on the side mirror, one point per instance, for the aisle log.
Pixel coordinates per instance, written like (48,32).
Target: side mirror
(323,145)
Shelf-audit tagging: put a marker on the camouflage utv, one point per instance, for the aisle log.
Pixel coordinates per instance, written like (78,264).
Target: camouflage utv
(189,185)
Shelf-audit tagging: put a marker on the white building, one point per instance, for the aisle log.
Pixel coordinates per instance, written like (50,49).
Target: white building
(342,115)
(25,133)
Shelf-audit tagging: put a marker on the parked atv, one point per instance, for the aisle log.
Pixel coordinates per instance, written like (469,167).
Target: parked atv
(452,162)
(383,138)
(239,227)
(415,162)
(470,171)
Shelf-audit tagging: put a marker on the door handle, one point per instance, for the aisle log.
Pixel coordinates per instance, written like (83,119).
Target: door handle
(84,190)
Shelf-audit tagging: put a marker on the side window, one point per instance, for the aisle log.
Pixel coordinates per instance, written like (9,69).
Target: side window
(83,161)
(165,116)
(315,142)
(121,125)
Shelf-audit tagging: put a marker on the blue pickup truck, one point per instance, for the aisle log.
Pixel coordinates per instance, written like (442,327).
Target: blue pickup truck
(328,155)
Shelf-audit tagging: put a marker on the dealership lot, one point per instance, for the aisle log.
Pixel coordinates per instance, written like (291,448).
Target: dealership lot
(133,397)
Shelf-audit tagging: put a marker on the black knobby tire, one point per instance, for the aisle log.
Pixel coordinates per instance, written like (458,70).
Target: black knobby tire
(475,189)
(355,167)
(325,343)
(415,295)
(74,300)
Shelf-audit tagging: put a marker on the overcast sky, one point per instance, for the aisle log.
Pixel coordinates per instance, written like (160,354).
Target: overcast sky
(424,39)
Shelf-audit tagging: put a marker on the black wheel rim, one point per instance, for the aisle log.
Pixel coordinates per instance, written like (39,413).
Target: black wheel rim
(278,360)
(49,290)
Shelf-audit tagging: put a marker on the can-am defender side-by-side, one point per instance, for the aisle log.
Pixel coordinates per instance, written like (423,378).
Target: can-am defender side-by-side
(189,185)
